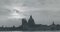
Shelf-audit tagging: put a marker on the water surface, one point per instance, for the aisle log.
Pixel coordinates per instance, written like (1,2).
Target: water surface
(29,31)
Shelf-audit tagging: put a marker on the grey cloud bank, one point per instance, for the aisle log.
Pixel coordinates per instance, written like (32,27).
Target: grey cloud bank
(43,11)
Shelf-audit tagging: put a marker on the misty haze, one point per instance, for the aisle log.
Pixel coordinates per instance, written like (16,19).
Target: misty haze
(43,11)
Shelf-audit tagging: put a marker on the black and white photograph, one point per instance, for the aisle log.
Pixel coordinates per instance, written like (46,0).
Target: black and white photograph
(29,15)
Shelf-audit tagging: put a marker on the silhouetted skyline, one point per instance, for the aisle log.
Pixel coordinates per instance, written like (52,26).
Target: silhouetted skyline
(31,26)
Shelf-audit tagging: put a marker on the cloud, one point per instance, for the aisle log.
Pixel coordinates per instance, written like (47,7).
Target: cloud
(40,9)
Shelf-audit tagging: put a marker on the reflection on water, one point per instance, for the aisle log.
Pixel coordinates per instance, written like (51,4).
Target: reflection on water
(29,31)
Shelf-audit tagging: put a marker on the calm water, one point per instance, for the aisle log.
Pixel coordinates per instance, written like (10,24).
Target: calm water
(29,31)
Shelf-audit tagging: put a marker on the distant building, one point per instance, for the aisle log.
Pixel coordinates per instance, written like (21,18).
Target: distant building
(53,26)
(24,24)
(24,21)
(53,23)
(31,21)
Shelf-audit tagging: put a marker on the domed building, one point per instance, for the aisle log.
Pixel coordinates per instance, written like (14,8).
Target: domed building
(31,21)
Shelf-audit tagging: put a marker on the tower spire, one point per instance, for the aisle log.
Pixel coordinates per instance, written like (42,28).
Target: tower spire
(53,23)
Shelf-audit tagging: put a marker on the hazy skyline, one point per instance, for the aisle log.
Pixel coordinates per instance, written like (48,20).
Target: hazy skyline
(43,11)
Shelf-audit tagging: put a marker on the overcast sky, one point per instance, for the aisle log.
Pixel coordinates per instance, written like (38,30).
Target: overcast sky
(43,11)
